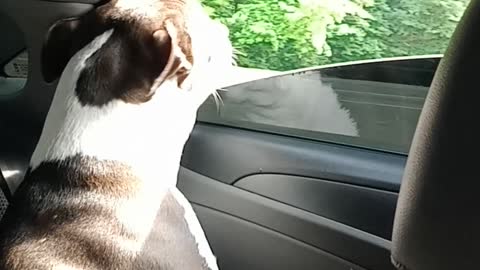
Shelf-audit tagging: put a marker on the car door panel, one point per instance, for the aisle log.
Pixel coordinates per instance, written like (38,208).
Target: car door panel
(346,242)
(229,154)
(338,199)
(252,246)
(367,209)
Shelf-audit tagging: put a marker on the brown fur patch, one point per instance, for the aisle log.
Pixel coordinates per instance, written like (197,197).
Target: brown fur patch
(88,174)
(51,224)
(64,213)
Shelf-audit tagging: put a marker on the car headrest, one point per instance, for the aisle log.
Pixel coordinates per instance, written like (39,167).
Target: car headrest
(437,223)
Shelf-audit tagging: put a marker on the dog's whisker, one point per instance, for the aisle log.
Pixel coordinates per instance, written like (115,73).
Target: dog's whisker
(218,100)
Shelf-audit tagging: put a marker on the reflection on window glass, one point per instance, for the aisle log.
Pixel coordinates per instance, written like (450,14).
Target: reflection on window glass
(291,34)
(374,104)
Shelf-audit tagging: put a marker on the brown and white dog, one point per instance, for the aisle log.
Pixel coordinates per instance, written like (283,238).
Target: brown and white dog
(101,191)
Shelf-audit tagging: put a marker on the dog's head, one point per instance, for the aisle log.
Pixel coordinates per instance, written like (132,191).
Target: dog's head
(143,45)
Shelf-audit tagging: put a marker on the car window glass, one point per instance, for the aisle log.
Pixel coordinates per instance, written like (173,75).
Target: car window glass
(367,105)
(354,72)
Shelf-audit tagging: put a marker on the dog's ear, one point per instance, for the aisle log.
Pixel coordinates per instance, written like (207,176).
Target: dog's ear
(132,64)
(57,48)
(179,61)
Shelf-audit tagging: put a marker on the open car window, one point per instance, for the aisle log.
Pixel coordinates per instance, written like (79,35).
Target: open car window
(353,72)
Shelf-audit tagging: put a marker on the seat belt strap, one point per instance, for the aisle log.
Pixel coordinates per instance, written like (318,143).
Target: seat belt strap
(5,195)
(4,187)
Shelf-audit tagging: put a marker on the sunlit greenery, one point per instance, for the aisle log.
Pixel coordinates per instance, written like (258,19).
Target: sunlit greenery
(290,34)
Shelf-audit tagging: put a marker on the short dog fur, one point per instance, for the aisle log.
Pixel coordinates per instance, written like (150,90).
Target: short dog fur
(100,192)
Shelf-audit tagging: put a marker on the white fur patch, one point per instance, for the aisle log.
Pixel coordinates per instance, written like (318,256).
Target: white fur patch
(196,229)
(59,109)
(146,9)
(138,215)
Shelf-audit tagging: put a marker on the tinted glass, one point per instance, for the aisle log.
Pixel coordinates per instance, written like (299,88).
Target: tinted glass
(373,104)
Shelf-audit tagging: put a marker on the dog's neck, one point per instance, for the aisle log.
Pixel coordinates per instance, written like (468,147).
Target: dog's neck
(148,137)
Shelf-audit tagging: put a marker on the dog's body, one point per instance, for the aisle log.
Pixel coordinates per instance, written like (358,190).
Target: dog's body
(101,191)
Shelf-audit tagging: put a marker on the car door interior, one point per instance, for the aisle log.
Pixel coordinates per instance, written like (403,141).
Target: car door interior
(272,201)
(266,201)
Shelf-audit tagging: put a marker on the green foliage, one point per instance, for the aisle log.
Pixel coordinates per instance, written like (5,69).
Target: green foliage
(422,27)
(291,34)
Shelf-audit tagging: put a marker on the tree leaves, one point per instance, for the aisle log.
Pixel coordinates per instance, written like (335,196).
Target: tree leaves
(291,34)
